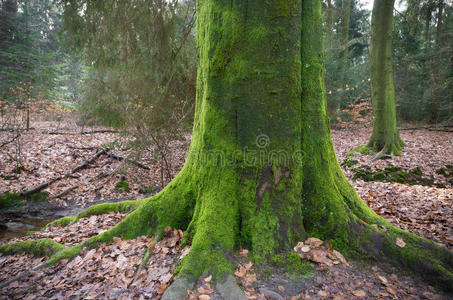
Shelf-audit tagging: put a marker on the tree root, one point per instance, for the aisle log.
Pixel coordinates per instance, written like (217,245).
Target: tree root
(41,247)
(178,289)
(381,155)
(99,209)
(140,267)
(229,289)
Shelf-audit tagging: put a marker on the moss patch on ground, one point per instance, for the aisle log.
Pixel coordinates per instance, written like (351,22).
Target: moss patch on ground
(447,172)
(365,150)
(13,199)
(392,173)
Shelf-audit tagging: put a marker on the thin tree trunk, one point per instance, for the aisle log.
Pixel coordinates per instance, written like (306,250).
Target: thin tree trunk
(436,65)
(385,137)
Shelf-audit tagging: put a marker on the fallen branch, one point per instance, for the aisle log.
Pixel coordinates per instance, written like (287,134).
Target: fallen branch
(78,168)
(120,158)
(83,132)
(434,128)
(10,141)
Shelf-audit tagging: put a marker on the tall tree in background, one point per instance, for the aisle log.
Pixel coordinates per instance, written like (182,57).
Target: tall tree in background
(29,48)
(346,56)
(436,69)
(345,17)
(385,137)
(261,172)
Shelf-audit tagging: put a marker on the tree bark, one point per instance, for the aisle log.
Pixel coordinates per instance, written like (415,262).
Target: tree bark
(385,137)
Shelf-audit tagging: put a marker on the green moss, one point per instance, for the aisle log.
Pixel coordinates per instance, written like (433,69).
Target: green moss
(379,176)
(361,149)
(122,187)
(99,209)
(349,162)
(13,199)
(363,172)
(444,172)
(417,171)
(8,200)
(277,260)
(42,247)
(147,190)
(38,197)
(297,268)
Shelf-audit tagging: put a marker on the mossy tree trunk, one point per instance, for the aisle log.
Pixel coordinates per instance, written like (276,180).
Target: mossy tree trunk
(385,137)
(261,171)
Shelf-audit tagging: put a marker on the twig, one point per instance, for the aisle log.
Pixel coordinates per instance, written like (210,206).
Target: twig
(120,158)
(10,141)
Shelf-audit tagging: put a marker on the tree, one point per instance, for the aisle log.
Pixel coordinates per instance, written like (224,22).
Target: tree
(385,137)
(261,172)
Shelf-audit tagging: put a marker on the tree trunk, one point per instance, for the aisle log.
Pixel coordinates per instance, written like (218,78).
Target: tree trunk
(343,54)
(385,137)
(261,171)
(436,77)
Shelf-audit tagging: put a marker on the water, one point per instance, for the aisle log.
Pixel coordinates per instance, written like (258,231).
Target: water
(20,227)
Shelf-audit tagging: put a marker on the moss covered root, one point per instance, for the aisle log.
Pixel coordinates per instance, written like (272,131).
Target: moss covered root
(99,209)
(42,247)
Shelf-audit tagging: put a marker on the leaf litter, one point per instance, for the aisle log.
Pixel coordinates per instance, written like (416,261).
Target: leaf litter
(108,272)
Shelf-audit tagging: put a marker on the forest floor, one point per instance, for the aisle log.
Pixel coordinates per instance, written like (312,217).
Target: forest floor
(414,193)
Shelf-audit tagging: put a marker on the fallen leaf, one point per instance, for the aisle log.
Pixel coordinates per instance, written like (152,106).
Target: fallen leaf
(241,272)
(400,242)
(359,293)
(313,242)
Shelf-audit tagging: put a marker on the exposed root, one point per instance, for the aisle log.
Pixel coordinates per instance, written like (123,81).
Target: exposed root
(229,290)
(140,267)
(372,236)
(178,289)
(99,209)
(382,155)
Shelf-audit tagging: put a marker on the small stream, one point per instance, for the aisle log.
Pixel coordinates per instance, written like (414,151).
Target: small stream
(20,227)
(17,221)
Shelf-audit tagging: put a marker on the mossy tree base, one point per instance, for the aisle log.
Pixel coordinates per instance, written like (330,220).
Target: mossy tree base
(261,172)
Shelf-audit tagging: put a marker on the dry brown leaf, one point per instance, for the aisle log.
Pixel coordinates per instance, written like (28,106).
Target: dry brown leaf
(391,290)
(400,242)
(240,272)
(323,294)
(248,265)
(313,242)
(382,279)
(359,293)
(204,290)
